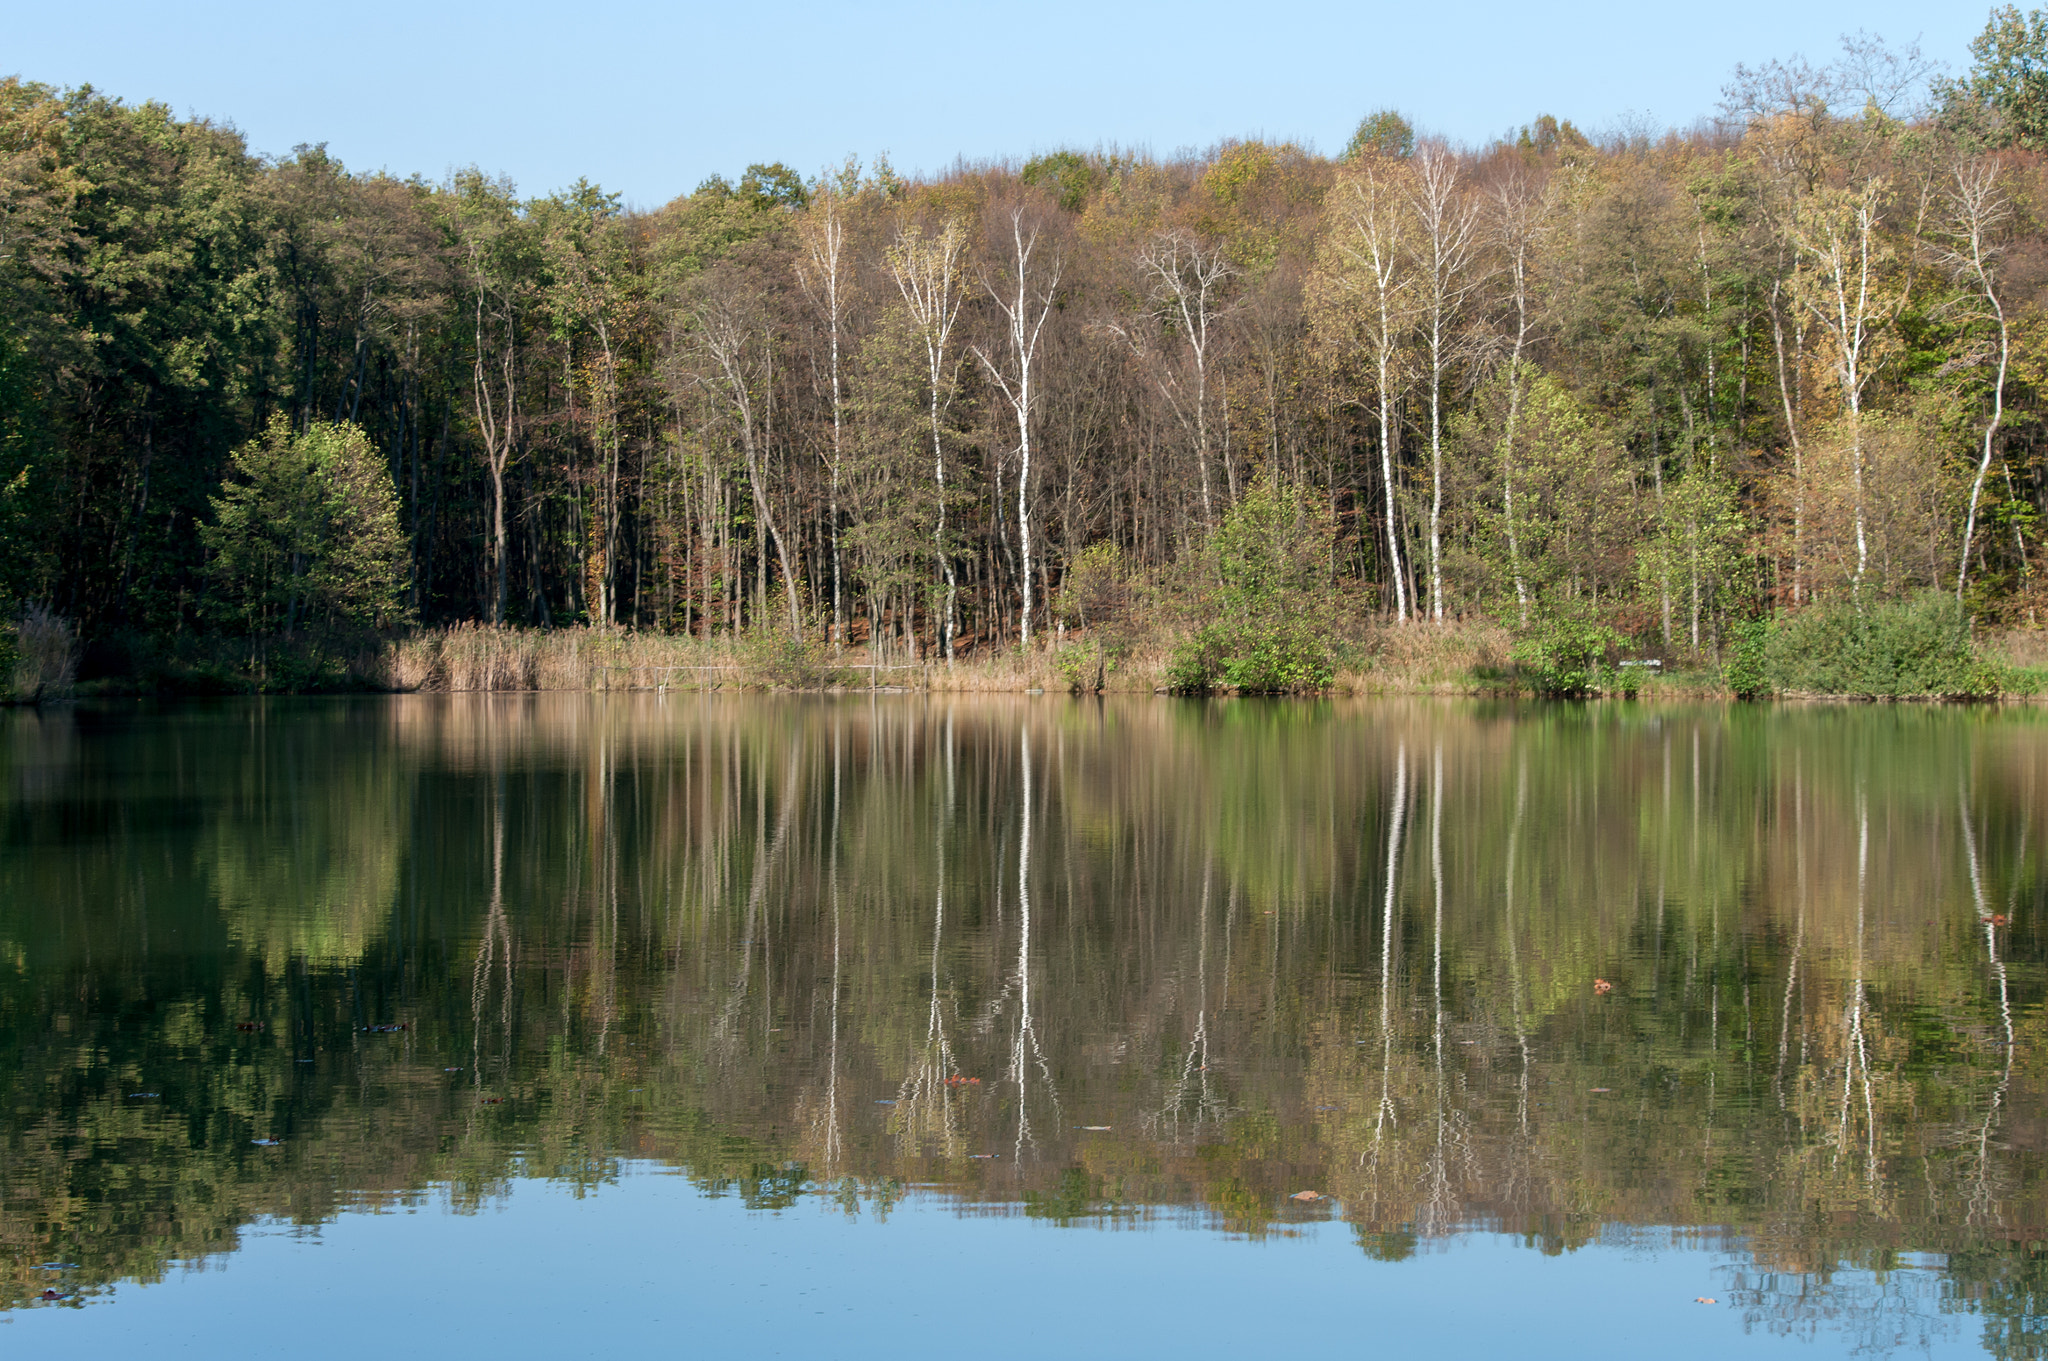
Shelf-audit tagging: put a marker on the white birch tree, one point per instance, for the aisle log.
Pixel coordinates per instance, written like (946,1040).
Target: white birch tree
(1445,248)
(1371,233)
(928,271)
(1023,292)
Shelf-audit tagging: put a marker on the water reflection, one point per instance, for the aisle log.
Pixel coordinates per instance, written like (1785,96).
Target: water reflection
(1770,979)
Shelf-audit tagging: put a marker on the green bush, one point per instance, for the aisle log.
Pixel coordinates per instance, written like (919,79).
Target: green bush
(1085,666)
(1196,665)
(1919,646)
(1564,655)
(1269,560)
(1746,670)
(1282,659)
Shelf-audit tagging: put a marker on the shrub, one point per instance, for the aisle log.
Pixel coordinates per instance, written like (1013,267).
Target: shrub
(1746,671)
(1085,666)
(775,659)
(1919,646)
(1269,560)
(1564,655)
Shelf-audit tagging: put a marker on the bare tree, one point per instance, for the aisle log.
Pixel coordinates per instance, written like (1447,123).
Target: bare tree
(732,332)
(1843,290)
(1370,236)
(1519,212)
(928,273)
(1188,278)
(1978,211)
(1445,251)
(823,232)
(1024,294)
(483,225)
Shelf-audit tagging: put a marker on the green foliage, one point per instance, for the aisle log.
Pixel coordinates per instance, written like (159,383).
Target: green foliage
(1919,646)
(1066,175)
(1564,655)
(1271,601)
(2003,98)
(307,531)
(1085,666)
(1745,668)
(1383,132)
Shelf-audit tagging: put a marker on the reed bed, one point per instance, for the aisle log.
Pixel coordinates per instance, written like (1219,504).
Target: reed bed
(471,657)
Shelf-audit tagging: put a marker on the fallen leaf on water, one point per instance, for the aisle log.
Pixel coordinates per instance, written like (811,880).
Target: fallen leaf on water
(494,1101)
(1602,1089)
(1704,1299)
(1996,919)
(1602,985)
(1095,1127)
(1306,1195)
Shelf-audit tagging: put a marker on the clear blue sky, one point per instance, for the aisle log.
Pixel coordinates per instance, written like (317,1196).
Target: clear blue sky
(647,99)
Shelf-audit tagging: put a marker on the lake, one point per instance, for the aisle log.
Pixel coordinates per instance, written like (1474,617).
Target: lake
(853,1026)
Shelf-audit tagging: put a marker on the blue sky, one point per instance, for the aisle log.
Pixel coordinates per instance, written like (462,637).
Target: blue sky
(647,99)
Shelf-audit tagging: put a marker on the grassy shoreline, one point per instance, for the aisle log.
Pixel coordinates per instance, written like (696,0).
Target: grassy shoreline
(1468,659)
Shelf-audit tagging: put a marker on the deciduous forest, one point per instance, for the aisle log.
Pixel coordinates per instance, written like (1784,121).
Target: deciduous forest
(1251,401)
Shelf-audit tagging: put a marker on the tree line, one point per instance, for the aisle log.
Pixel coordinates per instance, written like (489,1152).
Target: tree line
(1671,379)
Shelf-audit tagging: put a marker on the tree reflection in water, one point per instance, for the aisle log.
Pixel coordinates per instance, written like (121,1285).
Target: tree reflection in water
(1086,960)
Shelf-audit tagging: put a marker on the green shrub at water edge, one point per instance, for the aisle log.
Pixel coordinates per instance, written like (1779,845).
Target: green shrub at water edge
(1564,656)
(1746,670)
(1919,646)
(1271,599)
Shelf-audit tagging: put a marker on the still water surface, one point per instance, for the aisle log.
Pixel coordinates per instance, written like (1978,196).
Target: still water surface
(843,1027)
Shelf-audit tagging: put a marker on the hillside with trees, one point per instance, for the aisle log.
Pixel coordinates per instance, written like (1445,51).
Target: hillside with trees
(1658,384)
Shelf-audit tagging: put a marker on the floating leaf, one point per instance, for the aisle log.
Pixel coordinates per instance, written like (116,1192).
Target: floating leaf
(248,1025)
(1602,985)
(1704,1299)
(1306,1195)
(1598,1090)
(1092,1127)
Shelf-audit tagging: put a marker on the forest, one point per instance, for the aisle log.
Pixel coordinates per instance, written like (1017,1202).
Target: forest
(1253,401)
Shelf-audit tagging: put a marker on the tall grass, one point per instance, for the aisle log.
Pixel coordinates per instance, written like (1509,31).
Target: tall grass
(474,657)
(470,657)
